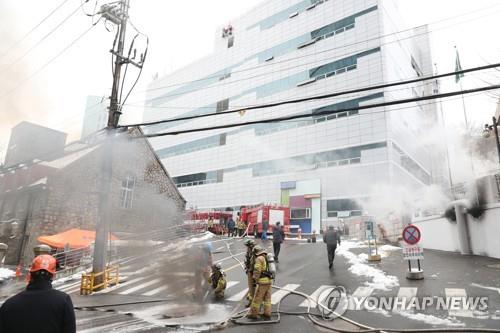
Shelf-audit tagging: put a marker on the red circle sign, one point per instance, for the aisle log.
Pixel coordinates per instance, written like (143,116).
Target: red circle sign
(411,234)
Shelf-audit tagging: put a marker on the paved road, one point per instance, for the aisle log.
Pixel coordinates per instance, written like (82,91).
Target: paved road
(160,284)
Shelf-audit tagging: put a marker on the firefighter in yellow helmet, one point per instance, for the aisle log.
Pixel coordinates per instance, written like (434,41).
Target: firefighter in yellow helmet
(263,278)
(249,262)
(218,281)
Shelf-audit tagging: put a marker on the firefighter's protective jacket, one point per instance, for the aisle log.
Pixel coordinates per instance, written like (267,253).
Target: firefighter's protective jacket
(218,282)
(260,270)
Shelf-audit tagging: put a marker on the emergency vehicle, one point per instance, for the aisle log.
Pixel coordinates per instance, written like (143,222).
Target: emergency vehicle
(255,216)
(197,221)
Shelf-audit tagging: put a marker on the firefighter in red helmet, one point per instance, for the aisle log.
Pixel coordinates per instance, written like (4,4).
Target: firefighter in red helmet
(39,308)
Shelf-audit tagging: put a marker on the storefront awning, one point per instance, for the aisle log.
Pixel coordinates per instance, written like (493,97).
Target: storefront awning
(75,238)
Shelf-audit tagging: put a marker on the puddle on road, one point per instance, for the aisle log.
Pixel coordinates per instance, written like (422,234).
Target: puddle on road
(188,314)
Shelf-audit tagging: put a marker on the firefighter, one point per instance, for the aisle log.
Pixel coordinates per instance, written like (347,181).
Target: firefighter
(39,308)
(249,261)
(218,281)
(263,277)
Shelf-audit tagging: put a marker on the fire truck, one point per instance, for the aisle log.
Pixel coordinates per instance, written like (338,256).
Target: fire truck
(196,220)
(255,216)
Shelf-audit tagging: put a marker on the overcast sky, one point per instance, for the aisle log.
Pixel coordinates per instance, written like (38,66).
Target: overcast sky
(181,32)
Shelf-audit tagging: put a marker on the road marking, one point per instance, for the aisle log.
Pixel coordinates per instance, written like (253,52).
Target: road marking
(239,296)
(321,292)
(358,297)
(232,267)
(278,296)
(485,287)
(406,294)
(230,284)
(122,285)
(67,286)
(141,286)
(70,291)
(462,295)
(155,291)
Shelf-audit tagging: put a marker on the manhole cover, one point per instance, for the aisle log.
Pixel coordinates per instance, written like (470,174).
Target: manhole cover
(494,266)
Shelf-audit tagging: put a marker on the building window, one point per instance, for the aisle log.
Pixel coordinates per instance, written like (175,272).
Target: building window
(127,191)
(300,213)
(343,207)
(222,105)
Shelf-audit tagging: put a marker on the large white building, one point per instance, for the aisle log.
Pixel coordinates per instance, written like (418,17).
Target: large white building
(322,166)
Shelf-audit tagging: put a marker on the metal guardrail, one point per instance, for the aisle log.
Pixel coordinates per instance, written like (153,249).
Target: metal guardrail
(110,277)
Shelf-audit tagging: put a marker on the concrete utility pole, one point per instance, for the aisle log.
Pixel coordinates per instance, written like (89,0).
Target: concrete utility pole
(118,14)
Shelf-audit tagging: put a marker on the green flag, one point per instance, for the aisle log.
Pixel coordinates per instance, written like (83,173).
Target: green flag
(458,67)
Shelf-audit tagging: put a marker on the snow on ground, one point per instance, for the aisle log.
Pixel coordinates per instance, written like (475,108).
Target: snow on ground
(6,273)
(206,236)
(387,247)
(431,320)
(358,266)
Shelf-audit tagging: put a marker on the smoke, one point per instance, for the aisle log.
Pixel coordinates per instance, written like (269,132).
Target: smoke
(26,102)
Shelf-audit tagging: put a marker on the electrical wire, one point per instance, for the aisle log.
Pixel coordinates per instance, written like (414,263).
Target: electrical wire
(9,66)
(299,116)
(324,96)
(26,79)
(19,41)
(320,52)
(316,53)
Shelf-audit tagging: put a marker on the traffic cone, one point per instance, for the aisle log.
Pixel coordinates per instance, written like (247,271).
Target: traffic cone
(19,273)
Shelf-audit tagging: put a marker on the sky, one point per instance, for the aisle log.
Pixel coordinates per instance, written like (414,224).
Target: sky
(181,32)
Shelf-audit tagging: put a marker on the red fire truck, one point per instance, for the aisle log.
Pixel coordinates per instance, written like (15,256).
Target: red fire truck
(197,221)
(254,216)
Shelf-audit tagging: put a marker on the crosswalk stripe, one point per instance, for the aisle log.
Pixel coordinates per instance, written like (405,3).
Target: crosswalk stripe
(141,286)
(239,296)
(357,298)
(123,285)
(70,291)
(321,292)
(458,293)
(406,294)
(155,291)
(65,287)
(230,284)
(278,295)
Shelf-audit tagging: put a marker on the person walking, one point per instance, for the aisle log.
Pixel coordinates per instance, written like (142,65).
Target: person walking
(39,308)
(230,227)
(249,262)
(263,279)
(331,238)
(278,238)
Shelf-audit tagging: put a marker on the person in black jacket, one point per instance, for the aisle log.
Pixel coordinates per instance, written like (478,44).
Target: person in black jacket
(39,308)
(331,238)
(278,238)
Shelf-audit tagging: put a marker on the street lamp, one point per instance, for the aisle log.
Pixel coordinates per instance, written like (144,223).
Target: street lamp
(487,132)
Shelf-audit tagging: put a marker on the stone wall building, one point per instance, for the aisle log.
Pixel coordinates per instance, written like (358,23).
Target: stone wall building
(66,192)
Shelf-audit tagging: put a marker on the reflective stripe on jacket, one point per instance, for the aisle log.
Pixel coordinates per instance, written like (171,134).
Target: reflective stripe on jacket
(259,267)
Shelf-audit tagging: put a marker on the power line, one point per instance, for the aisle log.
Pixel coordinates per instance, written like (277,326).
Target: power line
(46,64)
(19,41)
(9,66)
(324,113)
(320,52)
(318,97)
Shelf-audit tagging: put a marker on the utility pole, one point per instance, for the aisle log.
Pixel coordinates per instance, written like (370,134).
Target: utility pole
(118,14)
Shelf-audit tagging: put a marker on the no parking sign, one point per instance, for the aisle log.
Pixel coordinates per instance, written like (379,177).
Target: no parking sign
(411,235)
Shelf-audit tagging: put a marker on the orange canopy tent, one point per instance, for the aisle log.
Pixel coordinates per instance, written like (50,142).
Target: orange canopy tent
(76,238)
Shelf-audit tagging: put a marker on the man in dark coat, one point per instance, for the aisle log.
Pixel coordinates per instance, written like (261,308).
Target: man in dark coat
(278,238)
(230,227)
(39,308)
(331,238)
